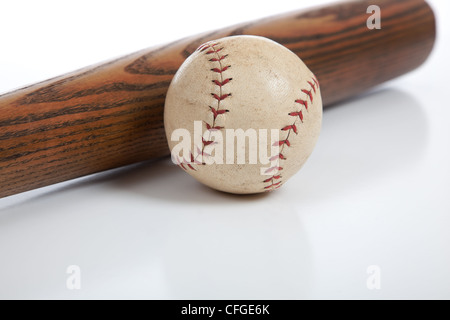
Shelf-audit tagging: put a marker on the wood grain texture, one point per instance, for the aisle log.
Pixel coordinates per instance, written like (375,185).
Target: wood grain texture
(109,115)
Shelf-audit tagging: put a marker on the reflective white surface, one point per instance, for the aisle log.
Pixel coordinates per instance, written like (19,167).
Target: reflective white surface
(374,192)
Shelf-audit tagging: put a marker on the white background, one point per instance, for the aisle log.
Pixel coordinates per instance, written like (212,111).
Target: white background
(374,192)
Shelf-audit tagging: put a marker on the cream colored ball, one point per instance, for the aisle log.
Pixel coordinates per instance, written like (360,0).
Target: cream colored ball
(242,114)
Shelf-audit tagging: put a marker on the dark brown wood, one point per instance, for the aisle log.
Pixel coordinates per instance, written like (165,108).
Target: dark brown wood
(111,114)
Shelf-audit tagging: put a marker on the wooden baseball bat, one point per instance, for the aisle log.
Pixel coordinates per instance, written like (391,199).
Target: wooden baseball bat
(111,114)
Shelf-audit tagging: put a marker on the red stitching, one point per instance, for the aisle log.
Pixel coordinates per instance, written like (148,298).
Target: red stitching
(277,156)
(222,97)
(210,128)
(282,143)
(315,81)
(272,178)
(222,83)
(291,127)
(314,85)
(207,142)
(297,114)
(303,102)
(206,45)
(213,50)
(218,59)
(183,163)
(309,94)
(203,153)
(273,168)
(216,110)
(221,69)
(273,186)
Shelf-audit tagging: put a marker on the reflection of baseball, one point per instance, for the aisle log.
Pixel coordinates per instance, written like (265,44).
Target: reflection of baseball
(248,83)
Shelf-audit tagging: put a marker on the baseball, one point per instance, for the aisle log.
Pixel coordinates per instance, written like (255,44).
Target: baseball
(242,114)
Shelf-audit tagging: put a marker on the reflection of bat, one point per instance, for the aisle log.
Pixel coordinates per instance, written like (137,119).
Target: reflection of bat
(111,114)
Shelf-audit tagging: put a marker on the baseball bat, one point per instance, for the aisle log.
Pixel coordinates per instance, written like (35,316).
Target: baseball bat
(111,114)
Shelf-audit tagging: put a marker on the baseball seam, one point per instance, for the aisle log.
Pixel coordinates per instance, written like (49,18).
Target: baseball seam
(211,48)
(276,179)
